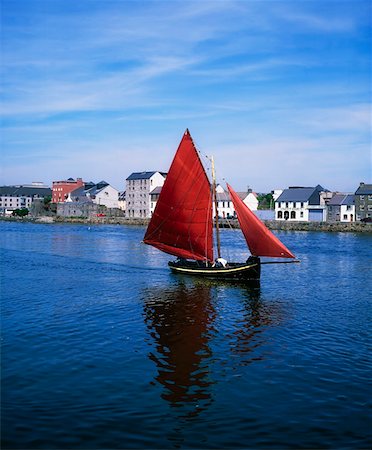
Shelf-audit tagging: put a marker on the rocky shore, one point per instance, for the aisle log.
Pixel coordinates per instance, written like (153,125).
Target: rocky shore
(355,227)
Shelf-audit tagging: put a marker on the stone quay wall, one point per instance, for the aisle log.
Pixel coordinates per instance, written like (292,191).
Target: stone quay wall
(353,227)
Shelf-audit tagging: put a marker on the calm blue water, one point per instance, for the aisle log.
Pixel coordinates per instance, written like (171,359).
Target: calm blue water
(103,348)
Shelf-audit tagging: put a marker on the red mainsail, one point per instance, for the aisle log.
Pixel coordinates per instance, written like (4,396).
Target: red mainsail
(182,221)
(261,241)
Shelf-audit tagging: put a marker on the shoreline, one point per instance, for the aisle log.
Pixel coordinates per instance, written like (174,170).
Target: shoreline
(339,227)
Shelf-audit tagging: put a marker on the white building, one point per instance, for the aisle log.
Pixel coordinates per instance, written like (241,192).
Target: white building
(303,204)
(18,197)
(101,193)
(122,202)
(224,203)
(139,185)
(341,208)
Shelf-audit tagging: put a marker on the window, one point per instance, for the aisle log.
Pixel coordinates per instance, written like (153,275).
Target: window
(286,204)
(301,214)
(293,214)
(345,216)
(280,215)
(302,204)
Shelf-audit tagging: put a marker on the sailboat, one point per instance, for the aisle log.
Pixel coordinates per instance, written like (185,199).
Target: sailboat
(182,223)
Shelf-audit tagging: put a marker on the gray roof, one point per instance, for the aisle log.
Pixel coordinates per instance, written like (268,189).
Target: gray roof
(24,191)
(79,195)
(364,189)
(144,175)
(342,199)
(156,190)
(296,194)
(300,194)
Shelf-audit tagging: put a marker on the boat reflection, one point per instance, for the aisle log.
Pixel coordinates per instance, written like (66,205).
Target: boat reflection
(255,316)
(183,322)
(180,321)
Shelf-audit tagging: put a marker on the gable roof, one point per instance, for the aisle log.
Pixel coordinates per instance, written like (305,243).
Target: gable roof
(156,190)
(298,194)
(144,175)
(301,194)
(342,199)
(364,189)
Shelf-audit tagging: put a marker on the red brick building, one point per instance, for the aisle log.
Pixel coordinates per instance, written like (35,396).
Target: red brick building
(61,189)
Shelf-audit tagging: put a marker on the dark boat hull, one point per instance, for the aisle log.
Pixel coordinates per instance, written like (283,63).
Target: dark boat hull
(249,271)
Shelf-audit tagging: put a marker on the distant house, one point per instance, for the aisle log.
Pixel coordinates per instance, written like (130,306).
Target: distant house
(104,194)
(224,202)
(122,204)
(341,208)
(139,185)
(154,197)
(101,193)
(17,197)
(61,189)
(305,204)
(363,202)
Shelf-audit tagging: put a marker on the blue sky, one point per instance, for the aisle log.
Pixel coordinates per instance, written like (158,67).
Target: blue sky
(278,91)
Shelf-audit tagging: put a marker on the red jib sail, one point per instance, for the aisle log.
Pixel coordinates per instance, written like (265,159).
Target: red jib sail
(182,220)
(261,241)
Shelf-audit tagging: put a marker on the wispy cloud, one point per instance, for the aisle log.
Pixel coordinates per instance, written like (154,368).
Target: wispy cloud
(95,80)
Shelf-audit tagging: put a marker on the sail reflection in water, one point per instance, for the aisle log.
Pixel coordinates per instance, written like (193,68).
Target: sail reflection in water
(254,318)
(180,322)
(185,323)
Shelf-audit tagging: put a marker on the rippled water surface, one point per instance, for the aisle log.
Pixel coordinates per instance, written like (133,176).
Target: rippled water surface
(102,347)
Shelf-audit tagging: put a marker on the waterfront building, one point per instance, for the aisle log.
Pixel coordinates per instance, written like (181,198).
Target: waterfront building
(104,194)
(61,189)
(363,202)
(122,204)
(224,203)
(139,186)
(341,208)
(303,204)
(101,193)
(22,196)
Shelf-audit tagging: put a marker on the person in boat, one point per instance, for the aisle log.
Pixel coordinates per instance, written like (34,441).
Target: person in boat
(220,262)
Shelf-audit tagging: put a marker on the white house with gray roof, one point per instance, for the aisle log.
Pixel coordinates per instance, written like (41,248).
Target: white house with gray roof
(303,204)
(224,203)
(341,208)
(137,193)
(101,193)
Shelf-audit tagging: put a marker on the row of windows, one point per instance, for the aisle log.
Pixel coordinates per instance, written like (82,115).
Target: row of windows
(292,204)
(140,213)
(286,215)
(140,203)
(15,204)
(362,197)
(138,195)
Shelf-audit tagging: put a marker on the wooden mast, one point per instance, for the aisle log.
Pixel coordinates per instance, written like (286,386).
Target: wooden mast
(216,209)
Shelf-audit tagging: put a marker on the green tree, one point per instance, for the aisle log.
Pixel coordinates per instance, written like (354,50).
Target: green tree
(20,212)
(265,201)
